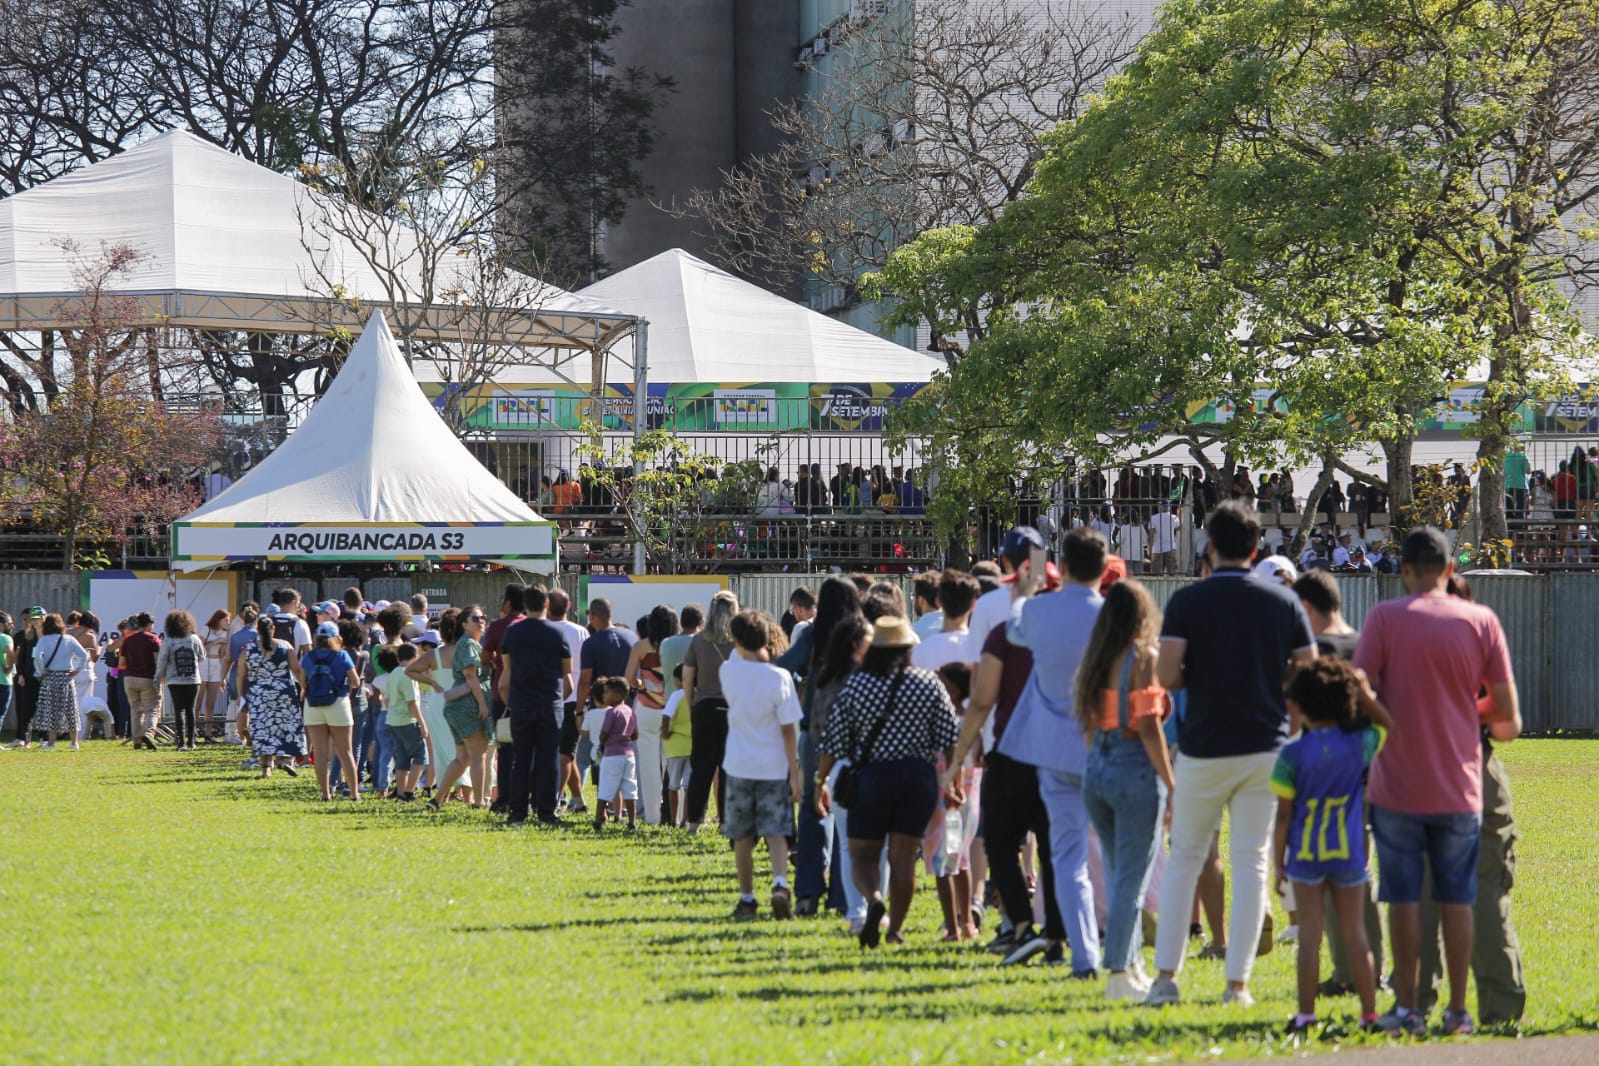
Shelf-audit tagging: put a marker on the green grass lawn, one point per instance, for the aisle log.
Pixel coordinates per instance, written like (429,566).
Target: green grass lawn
(169,907)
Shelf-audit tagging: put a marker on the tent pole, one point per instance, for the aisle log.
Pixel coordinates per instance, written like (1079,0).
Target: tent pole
(641,385)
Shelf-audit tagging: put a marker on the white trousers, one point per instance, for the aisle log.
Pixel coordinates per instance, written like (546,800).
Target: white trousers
(650,764)
(1240,785)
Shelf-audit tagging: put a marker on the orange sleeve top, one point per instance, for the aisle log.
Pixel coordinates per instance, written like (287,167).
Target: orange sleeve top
(1141,703)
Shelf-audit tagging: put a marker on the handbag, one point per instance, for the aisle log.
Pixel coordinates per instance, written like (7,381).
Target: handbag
(502,728)
(847,785)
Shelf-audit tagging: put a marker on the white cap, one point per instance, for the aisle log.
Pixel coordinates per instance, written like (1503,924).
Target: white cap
(1279,567)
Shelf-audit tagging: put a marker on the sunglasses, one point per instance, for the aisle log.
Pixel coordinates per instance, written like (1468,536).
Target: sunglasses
(475,618)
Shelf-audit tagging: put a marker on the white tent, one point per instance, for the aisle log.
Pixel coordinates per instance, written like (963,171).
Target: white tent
(229,244)
(373,475)
(707,326)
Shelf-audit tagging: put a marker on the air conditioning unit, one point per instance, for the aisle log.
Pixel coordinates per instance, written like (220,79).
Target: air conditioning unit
(820,46)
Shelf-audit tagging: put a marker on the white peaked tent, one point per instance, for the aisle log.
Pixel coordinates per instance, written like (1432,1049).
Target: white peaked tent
(372,475)
(708,326)
(229,244)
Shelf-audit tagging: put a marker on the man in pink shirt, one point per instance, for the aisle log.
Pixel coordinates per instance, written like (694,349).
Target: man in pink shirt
(1428,656)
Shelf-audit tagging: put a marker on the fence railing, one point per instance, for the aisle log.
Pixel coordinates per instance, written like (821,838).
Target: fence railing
(720,543)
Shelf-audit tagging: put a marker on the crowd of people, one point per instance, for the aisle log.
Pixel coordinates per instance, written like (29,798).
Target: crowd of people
(1035,734)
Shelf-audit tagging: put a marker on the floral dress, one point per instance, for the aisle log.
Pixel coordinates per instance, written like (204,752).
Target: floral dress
(277,724)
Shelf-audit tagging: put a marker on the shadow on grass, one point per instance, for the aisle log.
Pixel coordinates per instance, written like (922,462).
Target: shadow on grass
(580,923)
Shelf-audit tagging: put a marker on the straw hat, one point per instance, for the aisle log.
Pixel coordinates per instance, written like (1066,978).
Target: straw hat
(892,631)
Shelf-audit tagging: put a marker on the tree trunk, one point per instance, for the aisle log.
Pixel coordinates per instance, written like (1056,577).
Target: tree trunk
(1312,508)
(1401,487)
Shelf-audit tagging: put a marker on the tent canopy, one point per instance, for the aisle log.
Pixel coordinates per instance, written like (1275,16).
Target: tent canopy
(229,244)
(374,475)
(707,326)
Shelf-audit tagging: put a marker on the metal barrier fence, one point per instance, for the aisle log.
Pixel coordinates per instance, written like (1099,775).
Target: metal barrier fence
(708,544)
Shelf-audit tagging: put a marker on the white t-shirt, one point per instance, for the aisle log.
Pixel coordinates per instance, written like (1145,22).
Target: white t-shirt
(575,636)
(760,700)
(1134,538)
(993,608)
(673,702)
(940,649)
(928,624)
(1163,527)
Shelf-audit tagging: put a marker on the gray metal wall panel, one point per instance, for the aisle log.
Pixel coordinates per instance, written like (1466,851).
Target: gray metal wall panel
(1522,603)
(54,590)
(309,589)
(1573,690)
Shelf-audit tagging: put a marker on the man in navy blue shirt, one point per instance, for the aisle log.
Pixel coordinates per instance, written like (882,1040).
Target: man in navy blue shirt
(534,663)
(1229,641)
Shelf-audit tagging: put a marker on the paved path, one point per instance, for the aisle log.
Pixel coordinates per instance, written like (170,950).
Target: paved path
(1546,1051)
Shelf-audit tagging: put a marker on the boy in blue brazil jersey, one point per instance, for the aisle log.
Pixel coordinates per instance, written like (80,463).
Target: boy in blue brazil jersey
(1320,781)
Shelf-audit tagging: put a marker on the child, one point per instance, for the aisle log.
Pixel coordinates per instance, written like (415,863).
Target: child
(593,724)
(1321,820)
(677,744)
(760,765)
(408,730)
(947,845)
(618,757)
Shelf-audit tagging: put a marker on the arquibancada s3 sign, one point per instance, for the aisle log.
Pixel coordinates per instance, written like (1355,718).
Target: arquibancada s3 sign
(357,542)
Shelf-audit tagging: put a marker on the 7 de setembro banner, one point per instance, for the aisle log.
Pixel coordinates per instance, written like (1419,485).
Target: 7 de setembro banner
(199,542)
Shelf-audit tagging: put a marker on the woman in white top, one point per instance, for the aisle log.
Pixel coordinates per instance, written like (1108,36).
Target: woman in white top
(59,659)
(773,499)
(216,641)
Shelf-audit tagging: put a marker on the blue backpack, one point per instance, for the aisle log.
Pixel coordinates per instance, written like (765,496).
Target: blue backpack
(321,683)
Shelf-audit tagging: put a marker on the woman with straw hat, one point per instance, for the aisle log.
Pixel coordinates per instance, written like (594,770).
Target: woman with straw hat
(890,720)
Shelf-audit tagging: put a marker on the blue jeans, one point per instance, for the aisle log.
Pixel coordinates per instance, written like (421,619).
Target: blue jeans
(1447,844)
(336,770)
(1123,796)
(1068,850)
(815,855)
(384,757)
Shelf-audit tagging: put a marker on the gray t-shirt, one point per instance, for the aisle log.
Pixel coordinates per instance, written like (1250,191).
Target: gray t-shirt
(706,659)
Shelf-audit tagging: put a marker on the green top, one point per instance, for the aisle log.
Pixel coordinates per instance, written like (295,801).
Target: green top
(398,692)
(1516,470)
(468,652)
(5,648)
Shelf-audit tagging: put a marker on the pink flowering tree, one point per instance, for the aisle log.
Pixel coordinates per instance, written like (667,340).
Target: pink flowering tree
(107,457)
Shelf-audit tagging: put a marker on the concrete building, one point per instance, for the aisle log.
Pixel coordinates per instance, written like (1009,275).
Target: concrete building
(732,64)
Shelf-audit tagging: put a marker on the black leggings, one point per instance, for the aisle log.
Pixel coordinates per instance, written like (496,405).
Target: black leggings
(183,697)
(26,695)
(710,744)
(1012,807)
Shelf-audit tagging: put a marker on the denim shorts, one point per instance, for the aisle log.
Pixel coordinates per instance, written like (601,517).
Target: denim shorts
(895,797)
(1339,879)
(1408,843)
(409,747)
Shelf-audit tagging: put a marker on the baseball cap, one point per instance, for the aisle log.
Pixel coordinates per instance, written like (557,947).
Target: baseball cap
(327,629)
(1020,541)
(328,607)
(34,612)
(1278,567)
(1425,546)
(428,636)
(1115,570)
(1051,577)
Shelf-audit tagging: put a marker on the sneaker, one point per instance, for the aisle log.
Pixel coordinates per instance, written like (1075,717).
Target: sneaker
(782,903)
(17,744)
(1030,943)
(1458,1023)
(1125,987)
(805,906)
(1411,1023)
(48,745)
(578,807)
(289,769)
(1212,952)
(1002,943)
(746,910)
(1055,955)
(1239,997)
(1163,993)
(249,764)
(1299,1027)
(1290,935)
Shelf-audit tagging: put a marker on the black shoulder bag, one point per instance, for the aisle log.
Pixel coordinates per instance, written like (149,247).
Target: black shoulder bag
(847,785)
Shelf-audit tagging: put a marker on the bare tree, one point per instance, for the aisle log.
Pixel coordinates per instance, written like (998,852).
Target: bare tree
(927,115)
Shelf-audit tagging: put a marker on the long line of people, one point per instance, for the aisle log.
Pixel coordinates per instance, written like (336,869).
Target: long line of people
(1040,716)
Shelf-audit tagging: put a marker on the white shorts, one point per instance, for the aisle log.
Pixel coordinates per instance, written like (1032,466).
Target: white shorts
(618,773)
(337,713)
(677,772)
(211,671)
